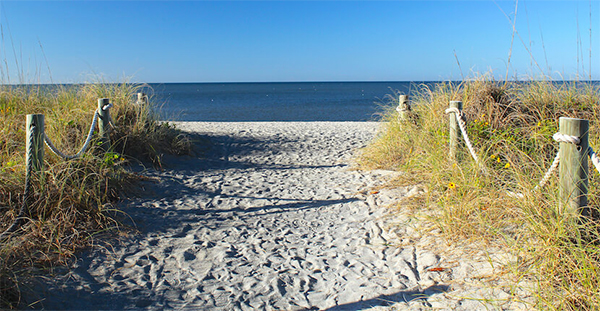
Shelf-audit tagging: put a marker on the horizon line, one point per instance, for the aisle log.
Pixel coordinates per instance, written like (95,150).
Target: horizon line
(283,82)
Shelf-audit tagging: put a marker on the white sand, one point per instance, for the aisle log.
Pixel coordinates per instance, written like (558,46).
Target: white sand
(273,219)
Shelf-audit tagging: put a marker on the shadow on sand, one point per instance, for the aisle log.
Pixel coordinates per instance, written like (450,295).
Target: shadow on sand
(388,300)
(212,153)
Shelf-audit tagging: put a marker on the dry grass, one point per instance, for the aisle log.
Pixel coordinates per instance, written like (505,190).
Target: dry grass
(511,125)
(72,205)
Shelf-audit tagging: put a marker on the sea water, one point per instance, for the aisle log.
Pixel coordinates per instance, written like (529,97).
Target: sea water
(297,101)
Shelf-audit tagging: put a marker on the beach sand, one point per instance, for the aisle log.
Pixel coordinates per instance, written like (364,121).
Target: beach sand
(273,216)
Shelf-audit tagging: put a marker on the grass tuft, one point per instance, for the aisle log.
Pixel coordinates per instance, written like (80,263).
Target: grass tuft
(72,201)
(511,126)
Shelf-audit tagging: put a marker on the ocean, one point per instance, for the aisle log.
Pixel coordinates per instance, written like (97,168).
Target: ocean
(294,101)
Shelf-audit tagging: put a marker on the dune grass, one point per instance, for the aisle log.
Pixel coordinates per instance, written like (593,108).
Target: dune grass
(72,206)
(511,125)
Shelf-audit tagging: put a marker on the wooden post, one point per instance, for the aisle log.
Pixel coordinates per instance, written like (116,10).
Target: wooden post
(35,142)
(403,107)
(454,129)
(573,167)
(142,99)
(104,123)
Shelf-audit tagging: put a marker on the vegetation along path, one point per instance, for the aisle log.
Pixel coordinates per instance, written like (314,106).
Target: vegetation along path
(273,217)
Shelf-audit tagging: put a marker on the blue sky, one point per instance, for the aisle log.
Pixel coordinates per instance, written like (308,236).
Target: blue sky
(263,41)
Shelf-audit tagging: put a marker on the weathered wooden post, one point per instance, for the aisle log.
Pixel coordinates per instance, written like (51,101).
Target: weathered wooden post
(403,108)
(454,129)
(142,99)
(34,155)
(104,123)
(573,167)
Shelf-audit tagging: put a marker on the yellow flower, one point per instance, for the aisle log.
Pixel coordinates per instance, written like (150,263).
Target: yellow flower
(498,160)
(539,123)
(451,185)
(487,123)
(507,165)
(493,156)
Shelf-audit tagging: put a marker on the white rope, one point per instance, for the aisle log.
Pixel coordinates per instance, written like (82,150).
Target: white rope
(594,158)
(110,119)
(562,138)
(462,125)
(402,108)
(403,105)
(85,145)
(559,137)
(549,173)
(544,180)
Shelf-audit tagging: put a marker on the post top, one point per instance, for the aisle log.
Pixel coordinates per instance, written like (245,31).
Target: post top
(571,119)
(456,101)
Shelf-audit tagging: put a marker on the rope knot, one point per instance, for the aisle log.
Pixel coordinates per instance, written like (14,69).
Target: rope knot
(454,110)
(562,138)
(402,108)
(460,117)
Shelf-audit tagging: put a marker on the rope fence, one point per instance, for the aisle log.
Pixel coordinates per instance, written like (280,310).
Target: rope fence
(571,159)
(462,125)
(82,150)
(36,137)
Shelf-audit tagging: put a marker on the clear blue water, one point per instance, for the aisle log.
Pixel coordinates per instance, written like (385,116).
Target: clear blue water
(298,101)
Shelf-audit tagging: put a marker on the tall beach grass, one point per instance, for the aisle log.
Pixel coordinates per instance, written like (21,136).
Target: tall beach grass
(511,125)
(72,204)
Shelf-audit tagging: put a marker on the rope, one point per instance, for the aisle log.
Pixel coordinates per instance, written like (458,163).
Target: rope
(575,140)
(462,125)
(111,121)
(594,158)
(85,145)
(562,138)
(558,137)
(24,211)
(549,173)
(403,108)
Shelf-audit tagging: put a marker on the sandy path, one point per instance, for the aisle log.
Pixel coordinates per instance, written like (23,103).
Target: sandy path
(273,219)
